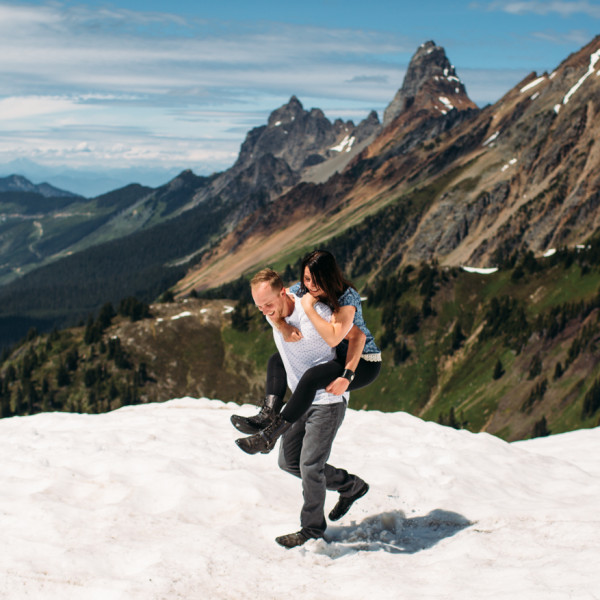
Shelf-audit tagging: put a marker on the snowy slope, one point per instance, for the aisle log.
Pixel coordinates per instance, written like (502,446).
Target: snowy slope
(156,502)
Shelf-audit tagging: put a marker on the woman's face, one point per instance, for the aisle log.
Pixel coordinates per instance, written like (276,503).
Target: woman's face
(313,289)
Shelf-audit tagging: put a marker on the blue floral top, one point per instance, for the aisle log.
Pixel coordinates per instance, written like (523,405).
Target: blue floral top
(352,298)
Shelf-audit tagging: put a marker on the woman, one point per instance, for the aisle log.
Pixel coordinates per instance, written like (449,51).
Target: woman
(358,360)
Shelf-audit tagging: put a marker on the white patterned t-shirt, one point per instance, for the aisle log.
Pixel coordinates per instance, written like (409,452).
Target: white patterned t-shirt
(310,351)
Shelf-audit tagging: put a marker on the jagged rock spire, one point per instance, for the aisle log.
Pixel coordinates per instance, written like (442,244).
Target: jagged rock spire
(430,82)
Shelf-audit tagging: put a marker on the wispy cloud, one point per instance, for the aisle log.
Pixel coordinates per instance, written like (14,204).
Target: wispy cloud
(541,7)
(141,86)
(360,79)
(578,37)
(77,48)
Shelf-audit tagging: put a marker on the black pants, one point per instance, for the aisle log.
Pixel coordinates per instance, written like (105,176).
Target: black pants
(315,378)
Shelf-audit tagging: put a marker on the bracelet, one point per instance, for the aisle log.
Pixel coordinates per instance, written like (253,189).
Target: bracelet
(348,374)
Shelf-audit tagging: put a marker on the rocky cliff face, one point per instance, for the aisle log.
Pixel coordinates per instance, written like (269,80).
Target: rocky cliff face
(302,138)
(534,176)
(295,145)
(291,134)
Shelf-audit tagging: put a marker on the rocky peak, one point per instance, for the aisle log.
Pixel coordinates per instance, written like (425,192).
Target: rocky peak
(291,134)
(430,83)
(287,113)
(368,127)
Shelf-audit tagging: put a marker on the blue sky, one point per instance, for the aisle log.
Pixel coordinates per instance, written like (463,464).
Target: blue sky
(162,86)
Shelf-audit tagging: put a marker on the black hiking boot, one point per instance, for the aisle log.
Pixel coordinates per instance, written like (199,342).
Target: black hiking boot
(271,407)
(264,441)
(291,540)
(345,502)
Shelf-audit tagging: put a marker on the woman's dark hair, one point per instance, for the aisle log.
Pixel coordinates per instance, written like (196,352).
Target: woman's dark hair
(326,273)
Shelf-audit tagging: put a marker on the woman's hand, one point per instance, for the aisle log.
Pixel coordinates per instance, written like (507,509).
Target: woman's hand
(338,386)
(308,301)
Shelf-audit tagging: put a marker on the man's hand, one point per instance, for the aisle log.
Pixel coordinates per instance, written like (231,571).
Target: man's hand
(289,332)
(293,335)
(338,386)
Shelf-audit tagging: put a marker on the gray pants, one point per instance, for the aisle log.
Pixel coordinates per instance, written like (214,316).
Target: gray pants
(304,451)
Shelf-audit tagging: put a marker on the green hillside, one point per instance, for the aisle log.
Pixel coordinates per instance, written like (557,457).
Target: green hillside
(513,353)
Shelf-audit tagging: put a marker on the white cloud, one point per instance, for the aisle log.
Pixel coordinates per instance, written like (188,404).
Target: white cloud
(18,107)
(24,19)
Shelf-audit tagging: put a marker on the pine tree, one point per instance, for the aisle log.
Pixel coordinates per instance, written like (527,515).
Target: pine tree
(540,429)
(591,402)
(458,337)
(535,368)
(452,421)
(90,378)
(5,410)
(401,353)
(91,335)
(107,312)
(498,369)
(240,317)
(558,370)
(142,373)
(72,359)
(62,375)
(11,374)
(426,308)
(19,402)
(167,297)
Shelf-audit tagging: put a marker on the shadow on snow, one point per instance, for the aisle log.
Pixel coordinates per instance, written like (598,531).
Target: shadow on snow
(393,532)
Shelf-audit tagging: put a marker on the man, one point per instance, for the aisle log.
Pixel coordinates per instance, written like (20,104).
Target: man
(306,443)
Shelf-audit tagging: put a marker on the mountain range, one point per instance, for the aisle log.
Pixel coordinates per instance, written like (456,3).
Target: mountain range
(511,190)
(91,181)
(464,186)
(467,186)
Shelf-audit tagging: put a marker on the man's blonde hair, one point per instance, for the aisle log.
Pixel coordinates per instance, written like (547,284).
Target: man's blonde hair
(268,276)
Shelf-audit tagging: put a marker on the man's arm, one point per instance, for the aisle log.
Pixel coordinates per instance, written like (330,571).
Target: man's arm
(356,343)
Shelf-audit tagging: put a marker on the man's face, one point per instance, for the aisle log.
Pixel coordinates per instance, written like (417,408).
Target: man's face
(268,301)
